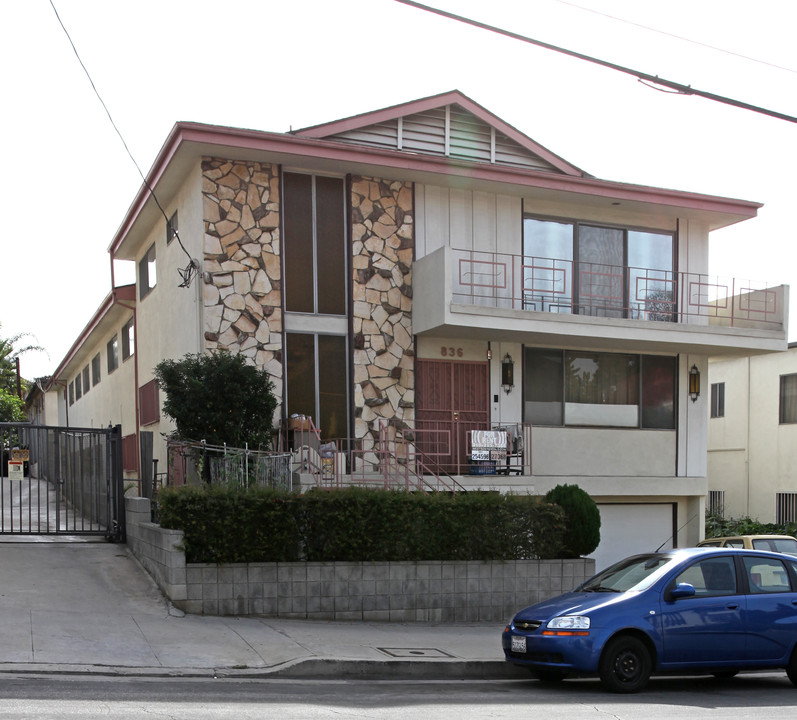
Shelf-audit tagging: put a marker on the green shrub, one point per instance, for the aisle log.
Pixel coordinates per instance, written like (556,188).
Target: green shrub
(717,526)
(224,525)
(583,532)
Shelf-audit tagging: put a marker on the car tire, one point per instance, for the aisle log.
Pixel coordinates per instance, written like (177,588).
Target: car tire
(791,668)
(548,676)
(625,665)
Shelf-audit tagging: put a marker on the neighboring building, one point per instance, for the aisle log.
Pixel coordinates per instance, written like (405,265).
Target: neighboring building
(428,267)
(752,437)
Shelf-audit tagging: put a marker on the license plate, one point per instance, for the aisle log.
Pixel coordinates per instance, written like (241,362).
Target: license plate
(480,455)
(518,644)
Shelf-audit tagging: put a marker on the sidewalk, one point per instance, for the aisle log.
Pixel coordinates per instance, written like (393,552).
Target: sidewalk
(91,608)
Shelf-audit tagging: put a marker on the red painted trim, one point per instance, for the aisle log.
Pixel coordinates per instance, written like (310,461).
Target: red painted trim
(122,293)
(216,140)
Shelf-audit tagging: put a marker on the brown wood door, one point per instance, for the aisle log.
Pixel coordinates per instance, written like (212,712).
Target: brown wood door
(452,398)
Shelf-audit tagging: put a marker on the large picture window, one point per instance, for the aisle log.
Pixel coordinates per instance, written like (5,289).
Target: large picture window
(563,387)
(587,269)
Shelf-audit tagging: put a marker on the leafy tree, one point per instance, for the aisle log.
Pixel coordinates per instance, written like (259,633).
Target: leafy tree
(583,532)
(8,355)
(11,407)
(219,398)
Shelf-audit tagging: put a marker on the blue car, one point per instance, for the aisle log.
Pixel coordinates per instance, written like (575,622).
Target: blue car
(696,610)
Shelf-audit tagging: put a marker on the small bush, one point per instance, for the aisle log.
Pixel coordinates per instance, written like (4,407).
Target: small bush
(225,525)
(717,526)
(583,532)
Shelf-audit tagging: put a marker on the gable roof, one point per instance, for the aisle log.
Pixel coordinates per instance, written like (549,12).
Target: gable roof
(449,124)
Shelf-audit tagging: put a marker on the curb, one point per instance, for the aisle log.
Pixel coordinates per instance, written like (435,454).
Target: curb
(305,668)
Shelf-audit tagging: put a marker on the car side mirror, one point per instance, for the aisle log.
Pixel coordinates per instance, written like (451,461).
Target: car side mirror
(682,590)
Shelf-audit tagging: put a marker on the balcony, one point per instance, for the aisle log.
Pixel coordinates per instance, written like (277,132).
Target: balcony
(540,300)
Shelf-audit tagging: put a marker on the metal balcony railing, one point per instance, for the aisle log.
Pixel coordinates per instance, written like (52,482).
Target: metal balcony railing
(556,285)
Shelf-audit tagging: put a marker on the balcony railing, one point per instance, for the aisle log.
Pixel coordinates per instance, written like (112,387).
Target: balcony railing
(585,288)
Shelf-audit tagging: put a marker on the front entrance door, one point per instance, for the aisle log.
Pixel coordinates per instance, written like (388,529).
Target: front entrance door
(452,398)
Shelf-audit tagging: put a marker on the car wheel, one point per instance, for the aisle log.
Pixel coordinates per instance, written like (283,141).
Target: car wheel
(791,669)
(725,674)
(625,665)
(548,676)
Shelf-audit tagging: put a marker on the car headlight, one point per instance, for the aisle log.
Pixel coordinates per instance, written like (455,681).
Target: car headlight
(569,622)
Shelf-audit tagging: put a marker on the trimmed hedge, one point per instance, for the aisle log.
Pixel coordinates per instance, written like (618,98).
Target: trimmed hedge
(226,525)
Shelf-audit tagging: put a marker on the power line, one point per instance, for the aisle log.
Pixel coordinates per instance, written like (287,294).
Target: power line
(676,37)
(679,88)
(190,270)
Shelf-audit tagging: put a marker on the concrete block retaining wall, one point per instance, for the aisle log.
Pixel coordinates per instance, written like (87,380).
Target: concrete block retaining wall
(431,591)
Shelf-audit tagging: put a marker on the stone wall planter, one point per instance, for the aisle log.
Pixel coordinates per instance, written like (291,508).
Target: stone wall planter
(431,591)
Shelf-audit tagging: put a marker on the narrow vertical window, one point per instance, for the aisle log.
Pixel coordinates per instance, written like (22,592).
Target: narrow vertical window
(718,400)
(95,369)
(147,273)
(128,339)
(171,227)
(788,399)
(112,350)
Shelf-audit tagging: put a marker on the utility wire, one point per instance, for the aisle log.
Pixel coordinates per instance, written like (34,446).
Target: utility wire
(676,37)
(679,88)
(191,269)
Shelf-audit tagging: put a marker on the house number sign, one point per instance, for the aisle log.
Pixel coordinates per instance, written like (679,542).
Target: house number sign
(448,351)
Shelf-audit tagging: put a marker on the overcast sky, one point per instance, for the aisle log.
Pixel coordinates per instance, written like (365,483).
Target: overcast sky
(272,65)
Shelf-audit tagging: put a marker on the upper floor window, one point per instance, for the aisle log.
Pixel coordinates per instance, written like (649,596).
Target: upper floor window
(315,244)
(112,350)
(128,339)
(565,387)
(72,393)
(587,269)
(147,273)
(78,387)
(86,380)
(788,398)
(95,369)
(718,400)
(171,227)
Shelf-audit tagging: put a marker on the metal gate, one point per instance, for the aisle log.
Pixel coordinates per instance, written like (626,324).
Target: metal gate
(452,398)
(61,481)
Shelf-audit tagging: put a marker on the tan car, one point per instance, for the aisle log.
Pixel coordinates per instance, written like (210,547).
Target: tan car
(774,543)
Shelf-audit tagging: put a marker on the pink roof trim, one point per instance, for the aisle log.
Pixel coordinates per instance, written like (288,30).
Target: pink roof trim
(453,97)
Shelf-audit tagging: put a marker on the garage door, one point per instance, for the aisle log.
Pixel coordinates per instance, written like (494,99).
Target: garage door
(633,528)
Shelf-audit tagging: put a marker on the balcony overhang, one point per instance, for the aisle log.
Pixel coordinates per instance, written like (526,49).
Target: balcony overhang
(439,312)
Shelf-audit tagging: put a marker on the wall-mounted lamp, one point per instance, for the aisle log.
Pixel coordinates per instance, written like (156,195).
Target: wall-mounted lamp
(489,354)
(507,373)
(694,383)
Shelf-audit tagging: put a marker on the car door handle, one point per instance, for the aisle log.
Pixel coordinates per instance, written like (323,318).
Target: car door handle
(733,606)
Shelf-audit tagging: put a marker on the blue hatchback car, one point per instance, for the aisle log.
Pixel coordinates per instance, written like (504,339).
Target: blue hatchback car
(696,610)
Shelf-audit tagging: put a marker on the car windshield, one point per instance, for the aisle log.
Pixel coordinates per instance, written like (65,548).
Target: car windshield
(783,545)
(634,573)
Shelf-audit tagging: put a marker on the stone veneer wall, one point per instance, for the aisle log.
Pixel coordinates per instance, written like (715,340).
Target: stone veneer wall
(432,591)
(243,278)
(382,255)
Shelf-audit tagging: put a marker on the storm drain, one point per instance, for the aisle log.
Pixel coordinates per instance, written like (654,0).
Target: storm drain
(415,652)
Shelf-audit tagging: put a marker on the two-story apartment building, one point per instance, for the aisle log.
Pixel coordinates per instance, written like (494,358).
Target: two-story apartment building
(429,269)
(752,437)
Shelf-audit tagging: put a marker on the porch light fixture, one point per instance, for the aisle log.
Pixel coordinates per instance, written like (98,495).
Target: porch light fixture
(508,373)
(694,383)
(489,354)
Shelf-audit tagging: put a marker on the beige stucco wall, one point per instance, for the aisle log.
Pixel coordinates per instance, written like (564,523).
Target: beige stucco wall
(169,316)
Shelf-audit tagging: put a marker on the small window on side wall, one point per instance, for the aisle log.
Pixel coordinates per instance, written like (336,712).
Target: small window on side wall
(171,228)
(86,380)
(128,339)
(718,400)
(113,354)
(95,369)
(788,399)
(147,273)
